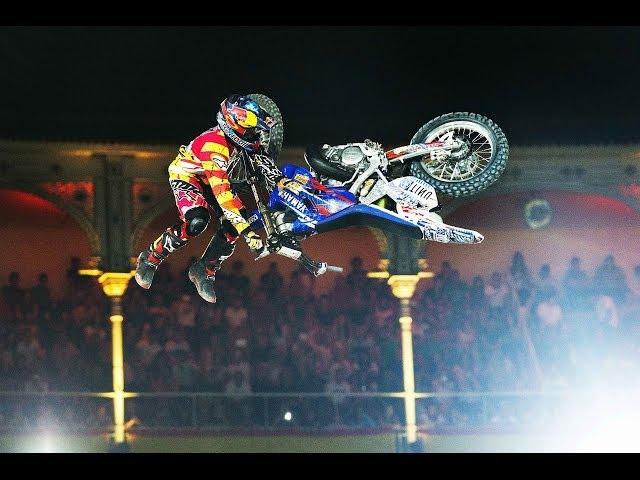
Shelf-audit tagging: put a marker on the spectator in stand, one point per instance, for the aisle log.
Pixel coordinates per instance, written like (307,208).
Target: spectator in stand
(185,311)
(455,292)
(548,332)
(239,363)
(135,304)
(357,276)
(324,312)
(606,313)
(358,309)
(519,274)
(185,370)
(302,287)
(73,275)
(13,295)
(499,299)
(28,349)
(158,311)
(41,294)
(164,283)
(272,281)
(549,312)
(610,280)
(445,273)
(385,311)
(236,317)
(576,285)
(546,286)
(634,288)
(345,340)
(238,280)
(238,409)
(66,357)
(497,291)
(210,325)
(337,387)
(147,347)
(237,384)
(176,341)
(477,298)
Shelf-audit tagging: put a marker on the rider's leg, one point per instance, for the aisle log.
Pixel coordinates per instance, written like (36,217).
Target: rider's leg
(202,273)
(194,216)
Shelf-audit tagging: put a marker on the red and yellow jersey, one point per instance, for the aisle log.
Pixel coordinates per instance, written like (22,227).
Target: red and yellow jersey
(207,158)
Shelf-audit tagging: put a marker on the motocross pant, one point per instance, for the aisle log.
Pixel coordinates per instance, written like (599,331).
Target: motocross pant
(193,200)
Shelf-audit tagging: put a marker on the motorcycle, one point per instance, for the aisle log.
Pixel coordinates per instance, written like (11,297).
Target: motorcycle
(456,154)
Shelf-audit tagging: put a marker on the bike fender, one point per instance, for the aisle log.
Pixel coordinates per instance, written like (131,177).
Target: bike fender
(372,216)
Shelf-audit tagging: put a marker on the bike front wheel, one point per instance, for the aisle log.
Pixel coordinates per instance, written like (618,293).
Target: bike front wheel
(477,161)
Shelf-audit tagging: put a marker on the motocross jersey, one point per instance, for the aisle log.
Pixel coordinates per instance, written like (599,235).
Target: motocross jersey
(206,159)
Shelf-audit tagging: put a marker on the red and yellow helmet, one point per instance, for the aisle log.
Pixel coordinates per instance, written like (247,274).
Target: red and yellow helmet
(242,119)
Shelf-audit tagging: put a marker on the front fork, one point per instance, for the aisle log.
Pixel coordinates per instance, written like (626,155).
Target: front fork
(286,246)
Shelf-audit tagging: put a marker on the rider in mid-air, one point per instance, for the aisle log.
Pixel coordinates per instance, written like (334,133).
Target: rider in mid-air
(200,172)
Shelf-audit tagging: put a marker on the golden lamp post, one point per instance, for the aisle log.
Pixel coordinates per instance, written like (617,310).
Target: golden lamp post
(114,285)
(403,287)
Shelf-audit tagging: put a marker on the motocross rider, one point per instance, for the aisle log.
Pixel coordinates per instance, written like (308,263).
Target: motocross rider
(198,172)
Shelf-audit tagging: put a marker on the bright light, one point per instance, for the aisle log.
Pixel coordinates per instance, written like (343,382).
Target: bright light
(600,422)
(45,442)
(288,416)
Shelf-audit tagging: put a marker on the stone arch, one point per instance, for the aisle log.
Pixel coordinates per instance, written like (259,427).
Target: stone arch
(78,215)
(42,236)
(453,205)
(587,223)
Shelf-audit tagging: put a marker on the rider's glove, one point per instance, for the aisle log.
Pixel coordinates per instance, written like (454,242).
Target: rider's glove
(254,242)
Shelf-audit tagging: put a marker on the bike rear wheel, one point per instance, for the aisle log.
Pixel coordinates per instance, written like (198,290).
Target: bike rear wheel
(276,137)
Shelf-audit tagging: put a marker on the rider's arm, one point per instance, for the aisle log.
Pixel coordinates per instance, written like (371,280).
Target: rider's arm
(229,202)
(215,158)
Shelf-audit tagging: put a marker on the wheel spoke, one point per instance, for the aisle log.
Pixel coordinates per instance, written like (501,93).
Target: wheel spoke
(480,147)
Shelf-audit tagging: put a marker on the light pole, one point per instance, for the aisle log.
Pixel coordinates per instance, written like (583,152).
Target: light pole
(114,285)
(403,286)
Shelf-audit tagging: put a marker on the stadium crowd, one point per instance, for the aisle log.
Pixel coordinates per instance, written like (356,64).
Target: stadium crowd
(513,330)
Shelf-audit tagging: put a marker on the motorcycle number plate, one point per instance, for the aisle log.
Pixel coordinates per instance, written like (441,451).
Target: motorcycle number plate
(413,191)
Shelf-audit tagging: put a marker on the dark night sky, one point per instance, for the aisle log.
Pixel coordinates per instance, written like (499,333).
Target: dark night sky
(333,84)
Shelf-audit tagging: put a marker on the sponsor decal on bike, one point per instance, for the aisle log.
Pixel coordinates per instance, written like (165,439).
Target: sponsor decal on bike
(436,234)
(423,191)
(317,185)
(294,186)
(462,237)
(253,218)
(412,191)
(301,178)
(292,200)
(296,205)
(442,235)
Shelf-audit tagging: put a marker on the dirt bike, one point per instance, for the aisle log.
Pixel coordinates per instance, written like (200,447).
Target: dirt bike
(456,154)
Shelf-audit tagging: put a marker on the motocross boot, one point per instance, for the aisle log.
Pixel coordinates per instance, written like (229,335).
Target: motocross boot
(146,268)
(150,259)
(203,276)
